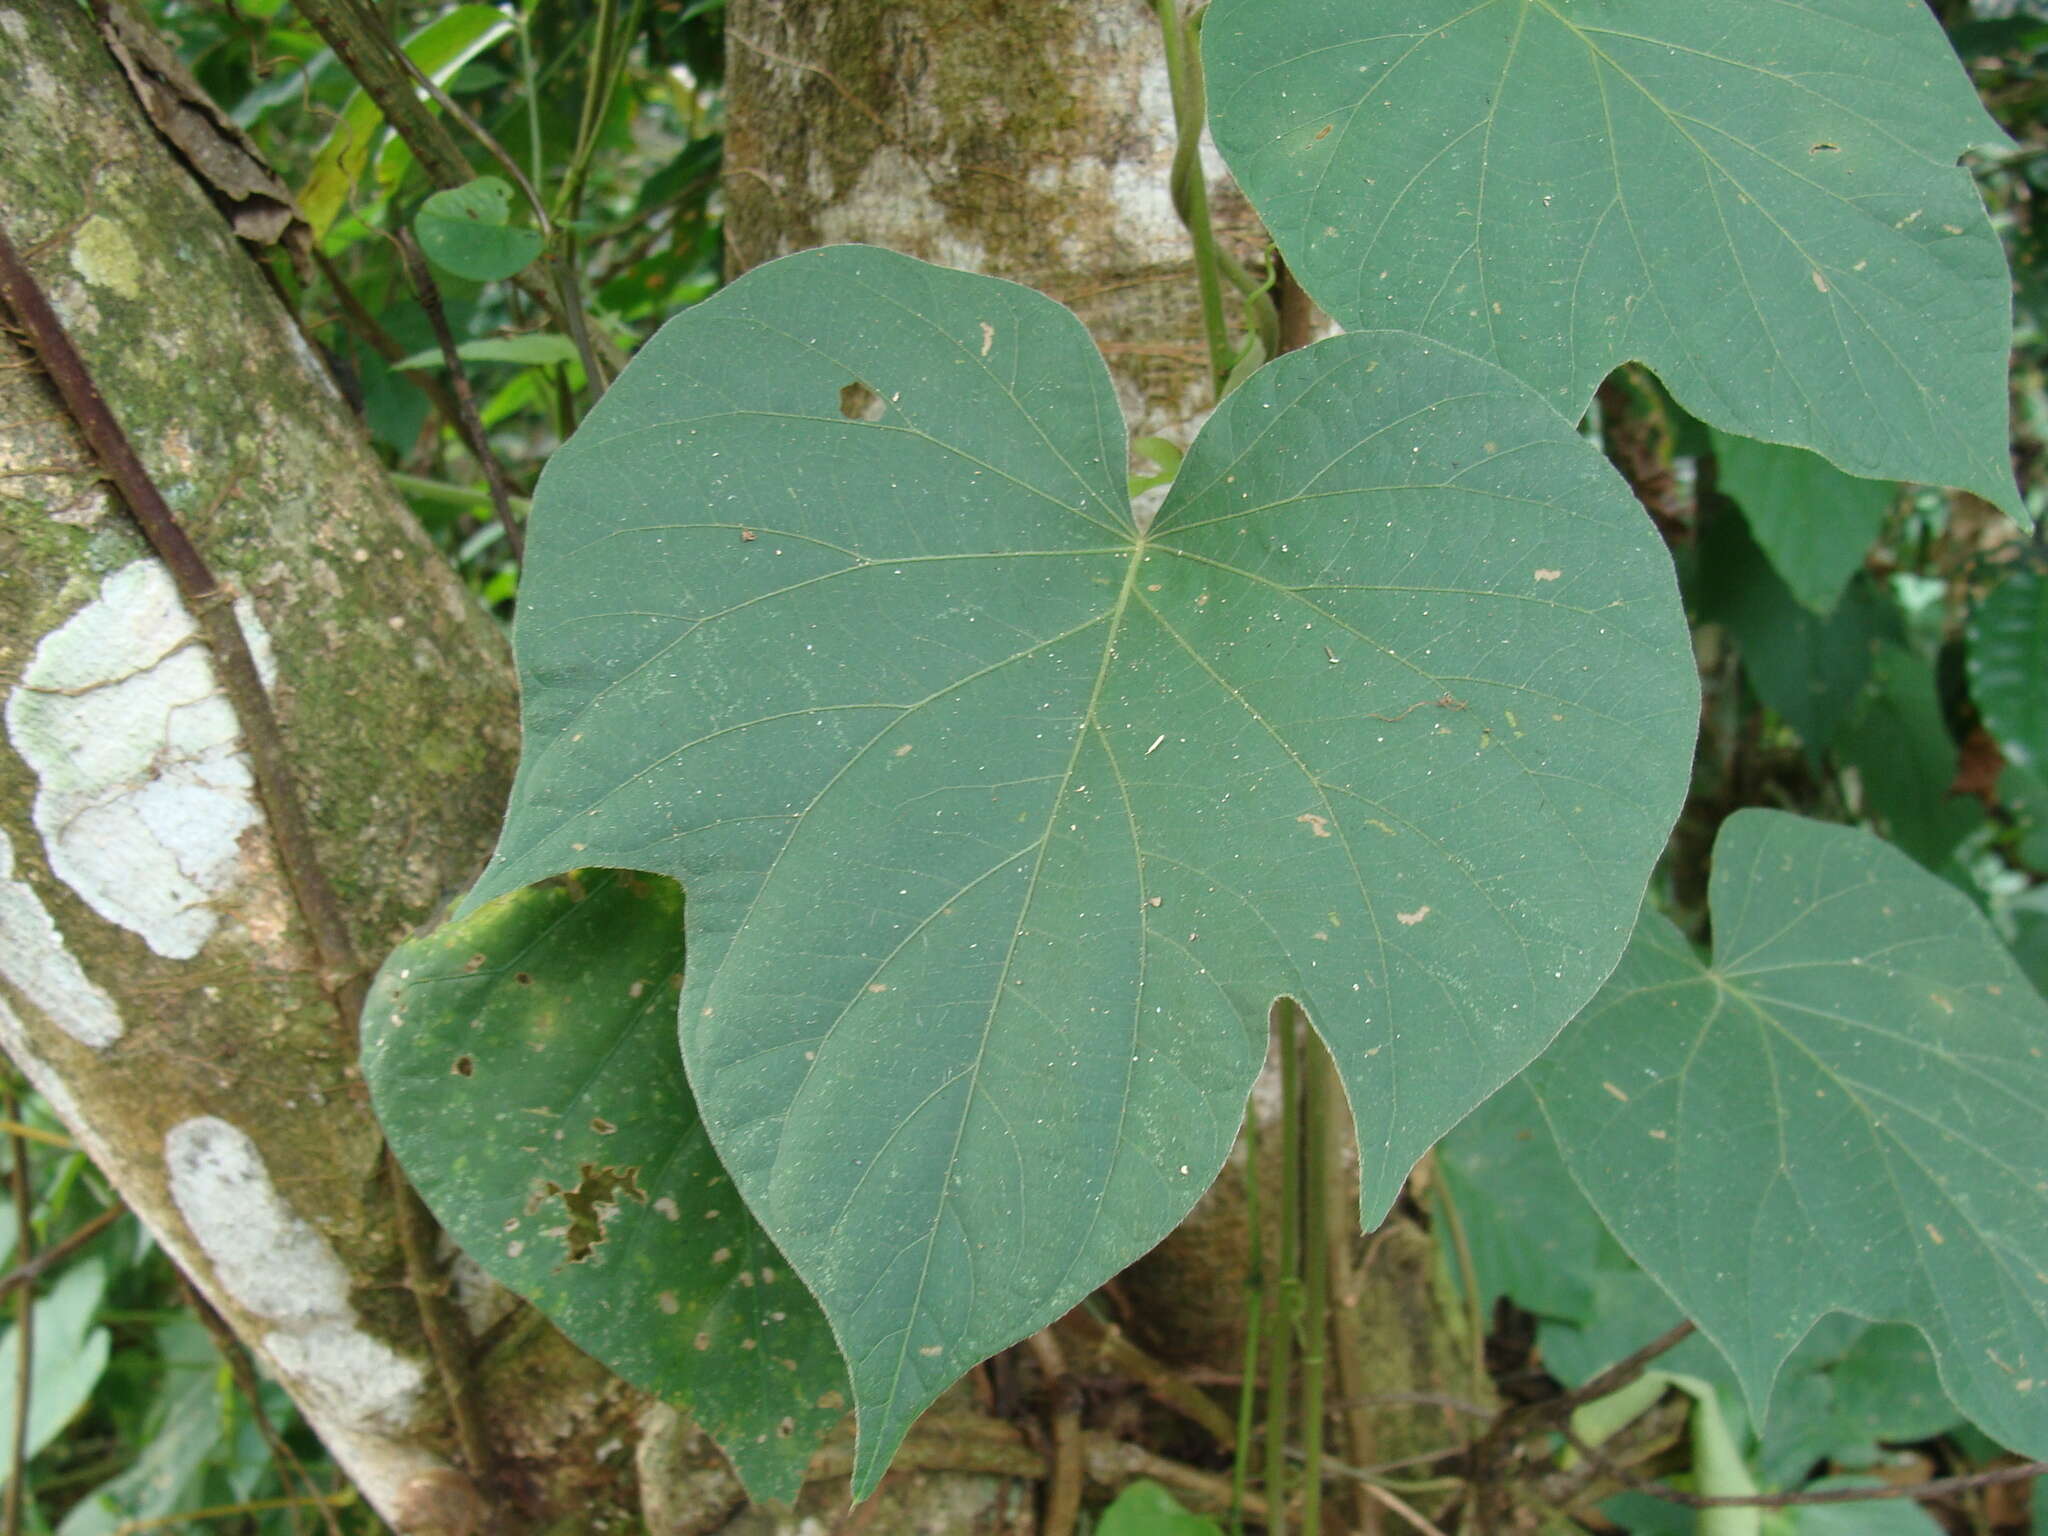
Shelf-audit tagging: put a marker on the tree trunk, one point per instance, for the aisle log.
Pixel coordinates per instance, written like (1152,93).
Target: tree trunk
(157,983)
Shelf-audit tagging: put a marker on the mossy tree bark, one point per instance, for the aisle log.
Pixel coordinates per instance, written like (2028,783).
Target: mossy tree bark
(157,983)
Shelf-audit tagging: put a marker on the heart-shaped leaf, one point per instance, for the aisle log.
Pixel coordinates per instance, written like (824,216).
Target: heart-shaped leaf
(523,1062)
(1004,822)
(1842,1112)
(1758,199)
(466,230)
(2008,662)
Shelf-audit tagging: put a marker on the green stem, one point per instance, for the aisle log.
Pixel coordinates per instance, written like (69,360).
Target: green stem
(1280,1361)
(1190,185)
(1318,1124)
(531,87)
(467,497)
(1254,1318)
(1475,1307)
(1261,317)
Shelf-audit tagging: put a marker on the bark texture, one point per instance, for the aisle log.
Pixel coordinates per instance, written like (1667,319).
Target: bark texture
(156,983)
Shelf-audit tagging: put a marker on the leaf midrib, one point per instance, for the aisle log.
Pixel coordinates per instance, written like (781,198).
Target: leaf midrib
(1134,562)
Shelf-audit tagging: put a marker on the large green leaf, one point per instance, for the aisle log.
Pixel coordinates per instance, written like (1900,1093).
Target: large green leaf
(1842,1112)
(1757,198)
(2008,663)
(1004,823)
(523,1062)
(1531,1234)
(1814,522)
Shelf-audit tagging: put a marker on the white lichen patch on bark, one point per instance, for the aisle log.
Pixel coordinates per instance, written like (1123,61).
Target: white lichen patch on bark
(278,1267)
(143,791)
(35,961)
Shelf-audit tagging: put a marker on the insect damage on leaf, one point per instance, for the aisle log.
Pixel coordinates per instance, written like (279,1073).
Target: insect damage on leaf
(591,1204)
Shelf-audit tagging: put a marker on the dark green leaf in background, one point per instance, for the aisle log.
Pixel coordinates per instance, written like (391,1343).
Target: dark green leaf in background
(1842,1112)
(1758,199)
(466,230)
(2008,662)
(1809,669)
(1004,823)
(1905,759)
(523,1062)
(1814,522)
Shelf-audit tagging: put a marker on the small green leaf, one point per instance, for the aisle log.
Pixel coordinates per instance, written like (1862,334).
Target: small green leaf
(523,1062)
(440,48)
(1905,760)
(67,1356)
(465,230)
(538,349)
(1842,1112)
(1814,522)
(1146,1509)
(1004,823)
(1810,670)
(1758,199)
(2008,661)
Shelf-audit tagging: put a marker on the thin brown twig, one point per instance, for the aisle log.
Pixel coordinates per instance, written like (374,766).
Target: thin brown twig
(30,1268)
(24,1328)
(289,1468)
(1063,1488)
(1618,1375)
(1401,1507)
(447,1336)
(1113,1348)
(1933,1489)
(468,421)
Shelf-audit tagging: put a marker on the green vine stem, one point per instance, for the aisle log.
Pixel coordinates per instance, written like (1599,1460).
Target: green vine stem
(1286,1292)
(1318,1123)
(1254,1318)
(1190,185)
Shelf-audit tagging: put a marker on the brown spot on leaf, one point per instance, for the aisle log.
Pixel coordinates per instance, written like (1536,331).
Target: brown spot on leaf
(465,1066)
(1320,825)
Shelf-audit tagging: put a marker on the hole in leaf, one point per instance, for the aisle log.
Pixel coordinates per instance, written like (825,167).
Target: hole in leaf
(465,1066)
(857,402)
(592,1204)
(1825,148)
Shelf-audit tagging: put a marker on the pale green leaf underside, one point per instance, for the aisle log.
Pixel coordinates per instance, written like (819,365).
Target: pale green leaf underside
(523,1062)
(1003,825)
(1843,1112)
(1757,198)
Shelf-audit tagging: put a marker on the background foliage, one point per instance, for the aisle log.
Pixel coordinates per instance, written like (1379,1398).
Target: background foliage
(1872,656)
